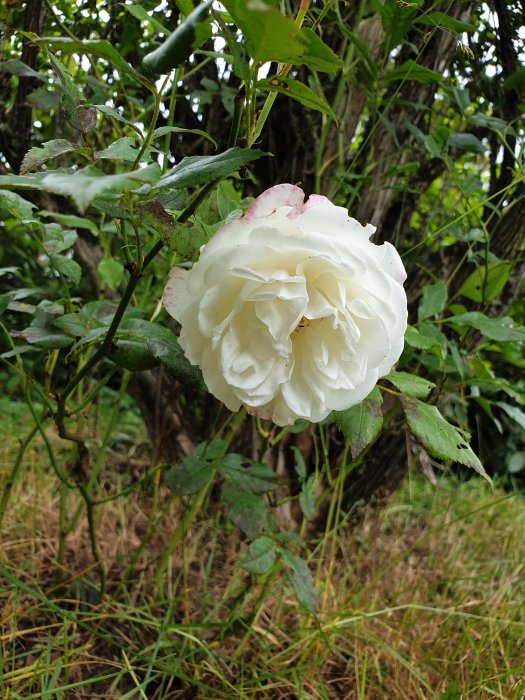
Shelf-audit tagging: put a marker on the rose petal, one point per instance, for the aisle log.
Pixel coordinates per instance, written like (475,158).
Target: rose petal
(268,202)
(291,310)
(175,292)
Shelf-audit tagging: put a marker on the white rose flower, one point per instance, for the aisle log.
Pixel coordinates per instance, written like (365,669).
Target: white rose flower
(291,310)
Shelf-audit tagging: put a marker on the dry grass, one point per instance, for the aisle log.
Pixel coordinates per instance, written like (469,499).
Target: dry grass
(423,599)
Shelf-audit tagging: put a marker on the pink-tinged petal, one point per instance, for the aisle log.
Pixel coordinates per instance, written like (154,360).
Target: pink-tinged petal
(175,297)
(315,200)
(285,195)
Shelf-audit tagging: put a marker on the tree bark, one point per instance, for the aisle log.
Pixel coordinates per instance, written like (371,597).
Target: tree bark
(15,137)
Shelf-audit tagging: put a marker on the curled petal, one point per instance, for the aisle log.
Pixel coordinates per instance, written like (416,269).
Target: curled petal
(279,196)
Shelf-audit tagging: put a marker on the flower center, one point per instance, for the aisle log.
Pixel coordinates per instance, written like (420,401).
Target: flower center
(303,323)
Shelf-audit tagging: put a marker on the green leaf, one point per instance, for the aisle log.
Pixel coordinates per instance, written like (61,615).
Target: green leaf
(241,61)
(485,283)
(43,338)
(111,112)
(466,142)
(361,424)
(163,130)
(269,35)
(121,149)
(433,300)
(75,324)
(131,354)
(188,476)
(22,182)
(67,267)
(301,579)
(246,510)
(440,19)
(16,205)
(140,13)
(84,185)
(432,146)
(370,68)
(297,91)
(416,340)
(210,450)
(5,300)
(461,96)
(111,272)
(318,55)
(164,347)
(198,170)
(228,199)
(307,496)
(427,337)
(513,412)
(96,47)
(410,384)
(299,426)
(142,345)
(256,478)
(38,155)
(184,239)
(300,466)
(111,205)
(41,332)
(17,350)
(80,116)
(410,70)
(44,98)
(438,436)
(72,220)
(17,67)
(260,556)
(290,538)
(57,239)
(397,20)
(495,123)
(502,329)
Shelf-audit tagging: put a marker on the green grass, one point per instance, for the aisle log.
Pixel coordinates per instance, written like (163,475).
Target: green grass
(421,599)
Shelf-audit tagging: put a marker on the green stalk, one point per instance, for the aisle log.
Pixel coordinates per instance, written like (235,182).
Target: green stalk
(93,538)
(282,71)
(238,106)
(169,120)
(13,474)
(62,532)
(153,124)
(190,515)
(99,461)
(180,531)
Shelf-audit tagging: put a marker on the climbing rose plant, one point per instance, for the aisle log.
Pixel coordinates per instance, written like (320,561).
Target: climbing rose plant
(291,310)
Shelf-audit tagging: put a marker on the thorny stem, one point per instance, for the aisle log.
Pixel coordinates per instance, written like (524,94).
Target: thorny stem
(107,344)
(238,106)
(93,537)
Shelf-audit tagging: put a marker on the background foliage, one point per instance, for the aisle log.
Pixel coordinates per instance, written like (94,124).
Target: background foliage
(406,113)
